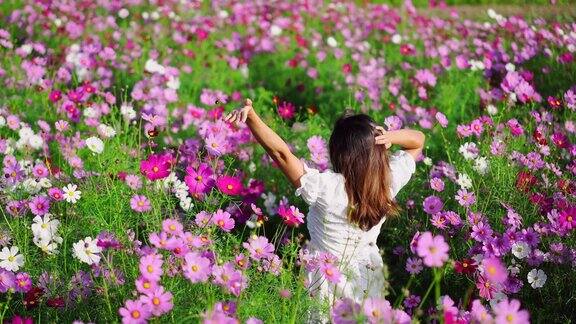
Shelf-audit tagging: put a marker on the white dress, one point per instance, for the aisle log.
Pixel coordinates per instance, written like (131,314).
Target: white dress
(330,231)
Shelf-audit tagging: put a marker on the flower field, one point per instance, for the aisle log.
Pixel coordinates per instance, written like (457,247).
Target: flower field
(127,198)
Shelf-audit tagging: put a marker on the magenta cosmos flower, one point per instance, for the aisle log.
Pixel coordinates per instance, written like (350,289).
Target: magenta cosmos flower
(199,180)
(292,216)
(432,205)
(259,247)
(39,205)
(223,220)
(229,185)
(432,249)
(140,203)
(134,311)
(159,301)
(286,110)
(196,267)
(156,166)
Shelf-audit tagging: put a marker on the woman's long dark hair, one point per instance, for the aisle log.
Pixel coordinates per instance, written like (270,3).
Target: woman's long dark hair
(364,165)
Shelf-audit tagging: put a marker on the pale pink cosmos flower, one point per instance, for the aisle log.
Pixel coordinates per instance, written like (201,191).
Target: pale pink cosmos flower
(140,203)
(432,249)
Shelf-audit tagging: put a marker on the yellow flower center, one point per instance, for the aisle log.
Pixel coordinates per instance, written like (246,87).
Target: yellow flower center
(230,187)
(156,301)
(491,270)
(150,269)
(155,169)
(509,318)
(135,314)
(146,285)
(214,145)
(11,258)
(44,225)
(220,223)
(172,227)
(199,178)
(194,268)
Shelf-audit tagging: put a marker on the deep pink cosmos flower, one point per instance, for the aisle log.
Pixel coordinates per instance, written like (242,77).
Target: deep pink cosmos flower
(199,180)
(159,301)
(259,247)
(156,166)
(140,203)
(23,282)
(55,95)
(286,110)
(56,193)
(229,185)
(432,249)
(291,216)
(135,312)
(223,220)
(196,267)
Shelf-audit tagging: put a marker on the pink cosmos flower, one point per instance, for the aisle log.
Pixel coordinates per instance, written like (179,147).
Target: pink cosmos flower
(229,278)
(442,120)
(432,249)
(135,312)
(509,312)
(163,241)
(494,270)
(7,280)
(229,185)
(223,220)
(156,166)
(486,289)
(203,218)
(146,286)
(437,184)
(151,266)
(330,272)
(172,227)
(133,181)
(286,110)
(23,282)
(159,301)
(215,144)
(199,180)
(465,198)
(140,203)
(259,247)
(39,205)
(196,267)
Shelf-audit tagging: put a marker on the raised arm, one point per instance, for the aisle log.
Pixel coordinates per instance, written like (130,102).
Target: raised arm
(412,141)
(272,143)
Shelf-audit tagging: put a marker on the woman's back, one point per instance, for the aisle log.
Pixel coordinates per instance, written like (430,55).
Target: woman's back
(331,231)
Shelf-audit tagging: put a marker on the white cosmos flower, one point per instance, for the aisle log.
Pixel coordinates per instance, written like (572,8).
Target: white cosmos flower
(537,278)
(10,259)
(428,161)
(71,195)
(45,227)
(331,41)
(106,131)
(35,141)
(87,251)
(154,67)
(468,150)
(396,39)
(492,110)
(48,246)
(95,144)
(275,30)
(464,181)
(481,165)
(123,13)
(520,249)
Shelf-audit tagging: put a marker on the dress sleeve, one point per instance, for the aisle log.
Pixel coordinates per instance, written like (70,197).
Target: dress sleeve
(311,185)
(402,166)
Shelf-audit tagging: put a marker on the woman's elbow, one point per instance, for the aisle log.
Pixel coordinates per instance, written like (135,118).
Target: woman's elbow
(421,139)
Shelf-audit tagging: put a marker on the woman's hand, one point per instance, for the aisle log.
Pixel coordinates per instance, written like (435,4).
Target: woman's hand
(385,137)
(241,114)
